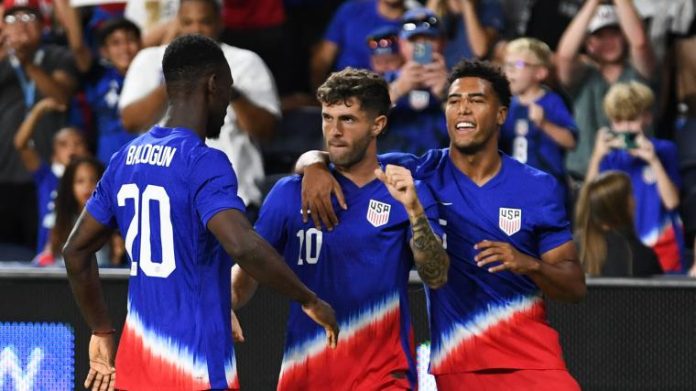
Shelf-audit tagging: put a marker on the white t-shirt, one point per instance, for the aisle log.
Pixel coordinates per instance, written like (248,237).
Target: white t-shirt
(251,77)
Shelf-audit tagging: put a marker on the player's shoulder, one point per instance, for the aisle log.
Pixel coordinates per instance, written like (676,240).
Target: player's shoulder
(287,185)
(532,178)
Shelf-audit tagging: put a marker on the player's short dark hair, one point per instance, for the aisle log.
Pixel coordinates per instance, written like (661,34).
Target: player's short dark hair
(189,57)
(213,3)
(487,71)
(113,25)
(370,89)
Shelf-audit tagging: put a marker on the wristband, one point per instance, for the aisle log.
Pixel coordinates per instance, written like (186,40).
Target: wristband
(105,332)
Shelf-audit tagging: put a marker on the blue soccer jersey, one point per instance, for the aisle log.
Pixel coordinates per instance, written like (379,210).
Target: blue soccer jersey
(161,190)
(361,268)
(481,320)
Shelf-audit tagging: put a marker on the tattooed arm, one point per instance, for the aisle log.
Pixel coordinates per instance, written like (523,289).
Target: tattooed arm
(431,259)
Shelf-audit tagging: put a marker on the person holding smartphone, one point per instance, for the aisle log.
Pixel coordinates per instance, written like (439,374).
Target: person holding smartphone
(417,122)
(652,165)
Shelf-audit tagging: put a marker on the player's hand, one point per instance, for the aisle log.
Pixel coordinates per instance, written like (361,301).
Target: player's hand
(102,374)
(237,333)
(399,182)
(317,186)
(536,114)
(505,253)
(322,313)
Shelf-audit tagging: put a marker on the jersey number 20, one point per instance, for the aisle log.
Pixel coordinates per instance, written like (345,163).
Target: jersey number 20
(141,218)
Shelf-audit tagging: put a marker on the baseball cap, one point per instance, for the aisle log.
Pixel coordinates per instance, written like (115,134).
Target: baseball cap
(24,5)
(420,21)
(605,16)
(384,40)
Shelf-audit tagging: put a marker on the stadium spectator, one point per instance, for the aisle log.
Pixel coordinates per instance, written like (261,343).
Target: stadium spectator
(376,353)
(344,41)
(539,128)
(619,51)
(254,107)
(67,143)
(385,56)
(199,224)
(609,245)
(74,188)
(29,72)
(471,27)
(652,165)
(488,323)
(119,42)
(417,122)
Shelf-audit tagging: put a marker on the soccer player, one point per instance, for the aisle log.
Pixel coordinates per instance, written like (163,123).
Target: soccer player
(508,240)
(362,266)
(175,202)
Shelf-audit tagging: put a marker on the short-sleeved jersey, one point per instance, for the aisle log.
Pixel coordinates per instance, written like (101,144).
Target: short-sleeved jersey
(529,144)
(481,320)
(361,268)
(657,227)
(161,190)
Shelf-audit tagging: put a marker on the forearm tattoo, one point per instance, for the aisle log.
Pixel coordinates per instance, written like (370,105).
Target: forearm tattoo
(432,262)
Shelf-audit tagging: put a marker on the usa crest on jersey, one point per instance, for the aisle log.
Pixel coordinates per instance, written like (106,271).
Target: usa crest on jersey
(378,213)
(510,220)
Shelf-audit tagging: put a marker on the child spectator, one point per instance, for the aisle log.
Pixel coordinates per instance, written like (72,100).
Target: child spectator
(75,187)
(652,165)
(384,49)
(68,142)
(609,245)
(119,41)
(539,128)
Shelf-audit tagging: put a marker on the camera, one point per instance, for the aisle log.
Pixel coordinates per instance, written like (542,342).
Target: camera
(423,52)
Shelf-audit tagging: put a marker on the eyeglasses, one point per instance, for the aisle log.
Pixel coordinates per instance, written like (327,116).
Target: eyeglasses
(385,42)
(19,18)
(519,64)
(429,22)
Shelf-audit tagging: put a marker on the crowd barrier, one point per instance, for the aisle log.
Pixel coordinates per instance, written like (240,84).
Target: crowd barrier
(628,334)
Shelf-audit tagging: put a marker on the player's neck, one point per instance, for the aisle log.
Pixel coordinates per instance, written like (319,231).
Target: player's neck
(180,115)
(362,172)
(480,166)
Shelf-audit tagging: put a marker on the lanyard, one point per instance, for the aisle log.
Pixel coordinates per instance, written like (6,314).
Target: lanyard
(28,86)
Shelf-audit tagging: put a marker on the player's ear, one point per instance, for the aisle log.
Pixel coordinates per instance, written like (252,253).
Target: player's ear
(378,125)
(211,85)
(502,114)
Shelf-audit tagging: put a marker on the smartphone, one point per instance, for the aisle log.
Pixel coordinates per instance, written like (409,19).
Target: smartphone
(423,52)
(628,139)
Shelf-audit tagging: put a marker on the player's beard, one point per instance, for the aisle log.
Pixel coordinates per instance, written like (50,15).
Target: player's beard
(475,146)
(352,155)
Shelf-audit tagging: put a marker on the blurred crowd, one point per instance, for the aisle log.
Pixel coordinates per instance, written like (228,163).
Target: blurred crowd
(604,101)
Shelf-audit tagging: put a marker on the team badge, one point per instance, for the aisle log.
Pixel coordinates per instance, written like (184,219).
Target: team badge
(378,213)
(510,220)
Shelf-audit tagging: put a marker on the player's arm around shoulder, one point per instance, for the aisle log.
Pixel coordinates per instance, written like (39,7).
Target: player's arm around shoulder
(430,257)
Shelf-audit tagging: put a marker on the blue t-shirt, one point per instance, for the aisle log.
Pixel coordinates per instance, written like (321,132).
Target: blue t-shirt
(528,144)
(457,47)
(657,227)
(414,130)
(46,188)
(481,320)
(361,268)
(160,191)
(349,28)
(102,91)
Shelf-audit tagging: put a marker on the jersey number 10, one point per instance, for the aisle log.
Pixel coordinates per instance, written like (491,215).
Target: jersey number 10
(310,242)
(141,218)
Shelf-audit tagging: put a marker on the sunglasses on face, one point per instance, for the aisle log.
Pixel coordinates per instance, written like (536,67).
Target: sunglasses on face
(519,64)
(386,42)
(19,18)
(429,22)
